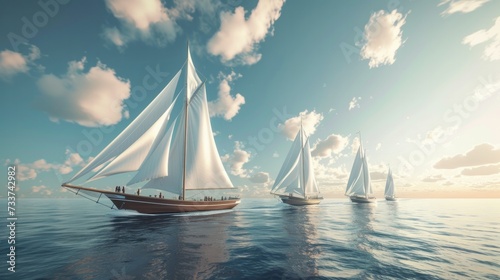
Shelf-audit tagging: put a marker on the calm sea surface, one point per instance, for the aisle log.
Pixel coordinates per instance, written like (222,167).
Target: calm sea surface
(259,239)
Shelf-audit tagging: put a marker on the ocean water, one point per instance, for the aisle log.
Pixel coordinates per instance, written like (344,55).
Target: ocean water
(259,239)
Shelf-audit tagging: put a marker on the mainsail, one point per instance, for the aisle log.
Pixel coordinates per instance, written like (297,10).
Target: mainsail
(297,174)
(359,183)
(389,185)
(170,144)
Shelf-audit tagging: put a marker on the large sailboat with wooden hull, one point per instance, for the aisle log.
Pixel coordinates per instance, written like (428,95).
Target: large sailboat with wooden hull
(169,147)
(359,187)
(296,183)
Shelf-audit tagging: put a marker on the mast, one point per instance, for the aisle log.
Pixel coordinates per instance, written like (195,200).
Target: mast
(185,129)
(302,156)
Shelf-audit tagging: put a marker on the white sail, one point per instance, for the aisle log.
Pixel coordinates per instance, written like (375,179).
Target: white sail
(135,130)
(359,183)
(296,175)
(174,150)
(389,185)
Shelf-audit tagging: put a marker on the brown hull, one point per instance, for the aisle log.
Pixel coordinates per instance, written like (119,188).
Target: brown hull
(298,201)
(153,205)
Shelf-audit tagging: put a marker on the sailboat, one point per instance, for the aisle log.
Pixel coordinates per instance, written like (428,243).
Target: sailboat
(170,146)
(296,184)
(389,187)
(359,187)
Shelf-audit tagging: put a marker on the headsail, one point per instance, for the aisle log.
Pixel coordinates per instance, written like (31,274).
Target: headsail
(170,140)
(389,185)
(359,180)
(297,174)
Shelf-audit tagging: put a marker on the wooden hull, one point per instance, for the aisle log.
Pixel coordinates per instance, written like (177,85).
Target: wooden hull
(298,201)
(359,199)
(154,205)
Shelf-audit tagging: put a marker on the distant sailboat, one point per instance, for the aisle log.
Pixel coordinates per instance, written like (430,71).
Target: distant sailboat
(359,187)
(296,184)
(171,146)
(389,192)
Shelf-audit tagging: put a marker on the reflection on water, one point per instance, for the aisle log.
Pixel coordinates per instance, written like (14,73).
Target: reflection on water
(362,217)
(302,254)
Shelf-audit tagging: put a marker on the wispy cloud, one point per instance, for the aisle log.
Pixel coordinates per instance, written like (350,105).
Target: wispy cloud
(12,63)
(433,178)
(382,38)
(41,190)
(492,50)
(226,105)
(333,144)
(354,103)
(238,37)
(461,6)
(309,121)
(92,98)
(482,170)
(480,155)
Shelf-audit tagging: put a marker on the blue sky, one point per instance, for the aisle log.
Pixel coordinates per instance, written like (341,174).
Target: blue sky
(418,79)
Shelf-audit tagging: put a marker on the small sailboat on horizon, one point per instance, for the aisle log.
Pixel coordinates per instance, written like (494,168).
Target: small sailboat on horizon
(296,184)
(170,146)
(389,191)
(359,187)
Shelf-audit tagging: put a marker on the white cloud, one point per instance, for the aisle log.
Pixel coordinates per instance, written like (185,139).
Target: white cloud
(354,103)
(41,190)
(275,155)
(30,171)
(237,160)
(260,178)
(461,6)
(238,37)
(333,144)
(382,37)
(12,63)
(479,155)
(226,105)
(433,178)
(492,50)
(149,20)
(310,120)
(482,170)
(91,99)
(379,145)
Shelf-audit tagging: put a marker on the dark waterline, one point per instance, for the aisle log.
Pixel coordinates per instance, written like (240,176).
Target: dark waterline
(260,239)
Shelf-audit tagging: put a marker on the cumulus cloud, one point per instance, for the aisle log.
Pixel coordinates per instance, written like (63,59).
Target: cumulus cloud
(226,105)
(433,178)
(333,144)
(238,37)
(382,37)
(479,155)
(310,120)
(12,63)
(461,6)
(378,175)
(237,160)
(150,20)
(260,178)
(482,170)
(92,98)
(492,50)
(354,103)
(29,171)
(41,190)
